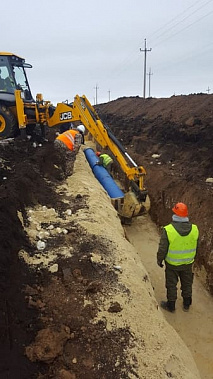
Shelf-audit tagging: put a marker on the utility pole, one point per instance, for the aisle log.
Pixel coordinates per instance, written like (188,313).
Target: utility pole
(144,79)
(149,74)
(208,90)
(109,94)
(96,94)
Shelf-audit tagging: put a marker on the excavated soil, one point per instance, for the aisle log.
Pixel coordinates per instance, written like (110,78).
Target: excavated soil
(43,318)
(38,305)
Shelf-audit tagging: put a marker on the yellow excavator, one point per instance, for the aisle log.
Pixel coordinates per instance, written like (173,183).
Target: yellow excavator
(18,110)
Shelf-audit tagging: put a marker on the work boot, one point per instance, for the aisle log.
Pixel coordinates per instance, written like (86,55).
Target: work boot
(187,301)
(168,306)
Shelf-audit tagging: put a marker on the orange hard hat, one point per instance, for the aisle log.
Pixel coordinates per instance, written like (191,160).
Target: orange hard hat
(98,153)
(180,209)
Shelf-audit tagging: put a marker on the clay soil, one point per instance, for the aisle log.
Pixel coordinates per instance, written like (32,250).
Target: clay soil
(49,306)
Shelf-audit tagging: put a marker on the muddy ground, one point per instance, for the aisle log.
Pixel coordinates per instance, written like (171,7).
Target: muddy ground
(179,130)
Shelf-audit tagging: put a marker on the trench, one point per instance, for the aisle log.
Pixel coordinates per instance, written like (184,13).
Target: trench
(143,235)
(195,327)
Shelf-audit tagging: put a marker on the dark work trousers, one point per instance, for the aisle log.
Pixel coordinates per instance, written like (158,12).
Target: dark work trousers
(172,276)
(109,168)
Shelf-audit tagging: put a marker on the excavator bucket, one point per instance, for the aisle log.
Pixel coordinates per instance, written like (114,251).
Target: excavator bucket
(131,207)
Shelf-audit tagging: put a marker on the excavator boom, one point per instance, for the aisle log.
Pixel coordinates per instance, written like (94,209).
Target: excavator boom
(81,110)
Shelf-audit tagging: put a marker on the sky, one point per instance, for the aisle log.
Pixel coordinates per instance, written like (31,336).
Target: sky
(96,48)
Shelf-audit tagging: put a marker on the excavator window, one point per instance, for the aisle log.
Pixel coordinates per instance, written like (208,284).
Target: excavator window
(6,81)
(20,78)
(21,81)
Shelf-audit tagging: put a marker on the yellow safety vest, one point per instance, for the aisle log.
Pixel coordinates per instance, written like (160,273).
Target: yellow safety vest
(106,159)
(182,249)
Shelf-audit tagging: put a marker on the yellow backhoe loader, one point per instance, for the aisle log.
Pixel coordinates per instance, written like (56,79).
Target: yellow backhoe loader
(18,110)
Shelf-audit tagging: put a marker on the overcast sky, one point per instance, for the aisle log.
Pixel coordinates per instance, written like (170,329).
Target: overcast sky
(93,47)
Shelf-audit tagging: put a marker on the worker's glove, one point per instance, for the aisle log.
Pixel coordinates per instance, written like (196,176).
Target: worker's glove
(160,264)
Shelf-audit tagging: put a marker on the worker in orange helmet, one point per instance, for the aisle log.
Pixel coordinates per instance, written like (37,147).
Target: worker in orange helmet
(177,248)
(104,160)
(72,138)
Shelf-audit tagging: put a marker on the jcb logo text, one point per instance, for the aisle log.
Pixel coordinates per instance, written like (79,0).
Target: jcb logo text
(65,116)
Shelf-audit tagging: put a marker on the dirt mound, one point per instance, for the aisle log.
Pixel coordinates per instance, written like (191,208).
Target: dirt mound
(178,109)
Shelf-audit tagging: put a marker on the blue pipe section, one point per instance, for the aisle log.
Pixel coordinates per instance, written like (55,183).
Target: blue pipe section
(102,175)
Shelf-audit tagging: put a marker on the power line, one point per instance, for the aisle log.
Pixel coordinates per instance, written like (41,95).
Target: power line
(132,56)
(205,50)
(187,26)
(178,16)
(185,18)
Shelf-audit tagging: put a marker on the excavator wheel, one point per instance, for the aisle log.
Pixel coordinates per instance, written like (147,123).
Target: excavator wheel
(8,124)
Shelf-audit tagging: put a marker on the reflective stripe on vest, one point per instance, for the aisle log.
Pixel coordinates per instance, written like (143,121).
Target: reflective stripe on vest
(106,159)
(68,138)
(182,249)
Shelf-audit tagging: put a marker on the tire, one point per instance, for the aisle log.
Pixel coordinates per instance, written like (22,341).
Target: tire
(8,124)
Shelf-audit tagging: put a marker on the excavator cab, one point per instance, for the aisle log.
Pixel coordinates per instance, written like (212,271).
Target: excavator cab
(13,77)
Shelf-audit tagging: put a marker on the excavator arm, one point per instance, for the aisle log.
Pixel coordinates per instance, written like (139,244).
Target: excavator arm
(81,110)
